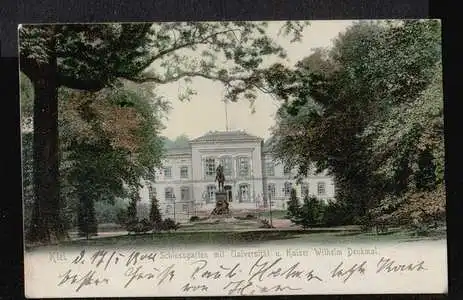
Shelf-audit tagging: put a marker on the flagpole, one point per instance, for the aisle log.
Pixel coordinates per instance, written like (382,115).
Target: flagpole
(226,114)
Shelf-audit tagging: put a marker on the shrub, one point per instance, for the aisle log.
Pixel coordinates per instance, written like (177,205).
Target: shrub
(250,217)
(194,218)
(293,206)
(122,217)
(167,224)
(310,214)
(136,226)
(334,214)
(155,214)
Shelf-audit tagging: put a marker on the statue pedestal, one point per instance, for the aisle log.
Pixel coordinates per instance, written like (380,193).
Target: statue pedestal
(220,196)
(221,204)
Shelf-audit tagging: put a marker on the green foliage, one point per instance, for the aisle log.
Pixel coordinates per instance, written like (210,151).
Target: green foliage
(335,214)
(92,57)
(167,225)
(194,218)
(310,213)
(27,176)
(26,101)
(155,214)
(182,141)
(368,111)
(86,219)
(105,158)
(137,226)
(293,205)
(107,212)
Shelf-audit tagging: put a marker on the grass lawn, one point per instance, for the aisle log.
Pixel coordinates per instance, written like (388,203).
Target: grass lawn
(276,214)
(249,238)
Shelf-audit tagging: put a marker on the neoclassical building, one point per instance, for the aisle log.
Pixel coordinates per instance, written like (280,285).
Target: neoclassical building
(186,186)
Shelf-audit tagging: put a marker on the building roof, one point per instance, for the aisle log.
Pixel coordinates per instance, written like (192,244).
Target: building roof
(226,136)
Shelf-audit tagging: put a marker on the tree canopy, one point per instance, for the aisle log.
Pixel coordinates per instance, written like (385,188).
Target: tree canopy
(369,110)
(93,57)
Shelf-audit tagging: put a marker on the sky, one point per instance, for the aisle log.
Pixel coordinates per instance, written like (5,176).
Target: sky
(206,110)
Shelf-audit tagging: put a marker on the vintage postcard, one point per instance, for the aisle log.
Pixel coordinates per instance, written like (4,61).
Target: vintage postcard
(233,158)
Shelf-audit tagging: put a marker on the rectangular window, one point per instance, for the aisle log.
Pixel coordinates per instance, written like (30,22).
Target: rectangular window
(169,193)
(243,166)
(152,192)
(185,193)
(287,189)
(168,172)
(244,193)
(227,165)
(270,168)
(321,188)
(209,167)
(184,172)
(185,208)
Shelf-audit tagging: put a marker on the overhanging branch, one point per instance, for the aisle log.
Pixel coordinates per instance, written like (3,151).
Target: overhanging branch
(185,45)
(91,85)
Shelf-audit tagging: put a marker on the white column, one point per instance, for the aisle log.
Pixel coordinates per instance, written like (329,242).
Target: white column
(253,196)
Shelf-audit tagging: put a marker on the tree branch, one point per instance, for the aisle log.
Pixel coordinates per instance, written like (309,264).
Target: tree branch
(184,45)
(155,79)
(91,85)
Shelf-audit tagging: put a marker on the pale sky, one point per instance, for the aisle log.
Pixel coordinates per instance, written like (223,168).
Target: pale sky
(206,112)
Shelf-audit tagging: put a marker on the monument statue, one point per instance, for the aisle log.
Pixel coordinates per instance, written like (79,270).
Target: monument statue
(221,204)
(220,177)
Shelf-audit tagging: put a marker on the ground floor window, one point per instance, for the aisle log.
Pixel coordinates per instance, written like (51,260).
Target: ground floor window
(287,188)
(244,192)
(185,193)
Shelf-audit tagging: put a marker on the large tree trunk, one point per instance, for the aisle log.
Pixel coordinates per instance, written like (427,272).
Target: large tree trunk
(46,223)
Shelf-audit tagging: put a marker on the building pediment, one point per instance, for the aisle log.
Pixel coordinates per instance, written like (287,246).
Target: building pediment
(225,137)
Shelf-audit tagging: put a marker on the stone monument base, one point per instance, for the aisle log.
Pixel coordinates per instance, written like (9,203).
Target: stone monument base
(221,205)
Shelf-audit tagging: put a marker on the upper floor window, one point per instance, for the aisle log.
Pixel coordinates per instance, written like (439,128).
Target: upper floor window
(168,172)
(227,165)
(169,194)
(321,188)
(269,168)
(184,172)
(243,166)
(185,193)
(209,167)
